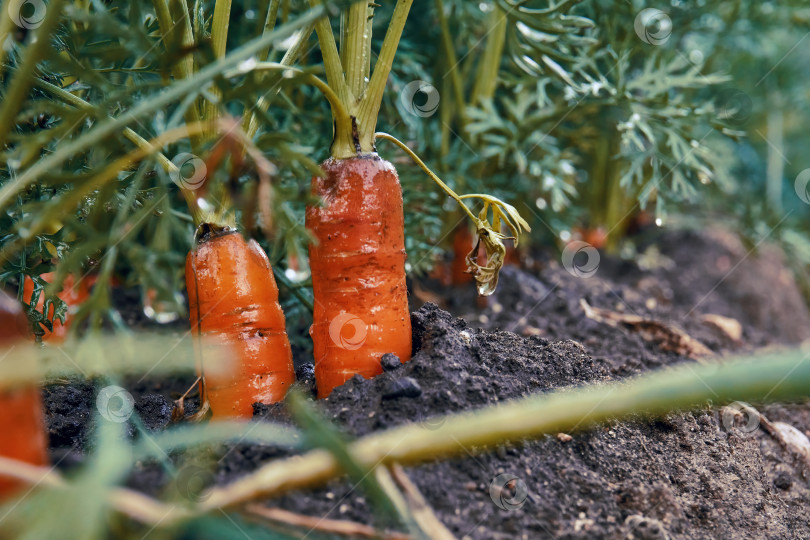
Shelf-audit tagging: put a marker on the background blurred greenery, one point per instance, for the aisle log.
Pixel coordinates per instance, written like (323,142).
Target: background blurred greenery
(592,117)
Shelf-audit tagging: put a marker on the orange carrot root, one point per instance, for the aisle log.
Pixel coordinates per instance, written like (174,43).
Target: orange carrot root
(73,294)
(233,296)
(22,422)
(358,270)
(462,244)
(595,236)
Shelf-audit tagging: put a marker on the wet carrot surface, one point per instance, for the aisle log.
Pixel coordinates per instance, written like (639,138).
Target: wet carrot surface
(358,270)
(22,424)
(233,297)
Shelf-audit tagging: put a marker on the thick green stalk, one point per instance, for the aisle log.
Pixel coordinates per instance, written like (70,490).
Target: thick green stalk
(768,378)
(487,79)
(169,28)
(5,27)
(219,39)
(370,106)
(355,49)
(269,25)
(179,31)
(34,52)
(452,60)
(343,144)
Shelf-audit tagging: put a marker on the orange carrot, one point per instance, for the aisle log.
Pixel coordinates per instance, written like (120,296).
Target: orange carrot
(462,244)
(22,423)
(512,253)
(73,294)
(358,270)
(233,296)
(595,236)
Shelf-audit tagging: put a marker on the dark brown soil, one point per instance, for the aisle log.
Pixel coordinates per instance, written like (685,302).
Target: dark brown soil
(684,476)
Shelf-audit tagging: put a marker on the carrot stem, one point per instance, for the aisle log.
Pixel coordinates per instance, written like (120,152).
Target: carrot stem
(179,30)
(370,105)
(219,38)
(355,47)
(269,25)
(249,119)
(447,189)
(337,105)
(290,57)
(452,60)
(34,52)
(487,79)
(343,144)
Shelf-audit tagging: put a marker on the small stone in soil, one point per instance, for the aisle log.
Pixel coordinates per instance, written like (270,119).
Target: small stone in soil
(783,480)
(305,376)
(390,362)
(404,387)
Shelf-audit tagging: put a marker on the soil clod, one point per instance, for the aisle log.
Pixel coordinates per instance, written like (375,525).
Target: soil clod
(405,387)
(390,362)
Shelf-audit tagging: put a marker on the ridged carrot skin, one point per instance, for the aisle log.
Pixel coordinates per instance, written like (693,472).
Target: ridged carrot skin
(358,270)
(72,293)
(233,296)
(22,422)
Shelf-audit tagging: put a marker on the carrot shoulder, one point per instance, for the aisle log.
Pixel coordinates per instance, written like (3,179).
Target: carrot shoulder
(22,422)
(233,296)
(358,270)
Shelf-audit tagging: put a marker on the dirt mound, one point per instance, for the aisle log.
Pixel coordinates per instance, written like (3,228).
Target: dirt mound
(686,475)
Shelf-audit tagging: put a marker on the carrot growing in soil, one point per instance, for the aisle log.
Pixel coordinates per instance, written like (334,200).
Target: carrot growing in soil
(358,254)
(233,296)
(22,422)
(358,270)
(230,283)
(462,242)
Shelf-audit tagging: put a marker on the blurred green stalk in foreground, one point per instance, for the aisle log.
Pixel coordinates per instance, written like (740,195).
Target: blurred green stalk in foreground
(773,377)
